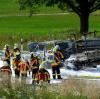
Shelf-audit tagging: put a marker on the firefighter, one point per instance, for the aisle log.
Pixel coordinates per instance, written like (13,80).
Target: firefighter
(35,62)
(28,65)
(16,58)
(6,72)
(16,52)
(16,67)
(56,67)
(58,52)
(6,54)
(24,67)
(43,75)
(5,68)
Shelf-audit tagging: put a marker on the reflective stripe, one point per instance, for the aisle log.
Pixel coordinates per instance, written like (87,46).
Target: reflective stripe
(34,67)
(35,79)
(5,70)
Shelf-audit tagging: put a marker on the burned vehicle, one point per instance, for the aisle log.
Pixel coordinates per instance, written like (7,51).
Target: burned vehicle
(87,45)
(83,60)
(87,54)
(78,54)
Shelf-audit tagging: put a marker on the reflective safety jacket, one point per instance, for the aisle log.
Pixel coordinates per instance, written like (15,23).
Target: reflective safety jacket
(15,64)
(42,75)
(23,67)
(16,54)
(6,70)
(35,62)
(59,55)
(56,62)
(6,55)
(28,65)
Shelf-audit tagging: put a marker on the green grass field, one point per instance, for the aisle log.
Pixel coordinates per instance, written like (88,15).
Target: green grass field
(35,28)
(38,28)
(38,24)
(44,24)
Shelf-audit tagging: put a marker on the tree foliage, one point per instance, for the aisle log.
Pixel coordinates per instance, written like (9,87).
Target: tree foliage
(31,5)
(82,8)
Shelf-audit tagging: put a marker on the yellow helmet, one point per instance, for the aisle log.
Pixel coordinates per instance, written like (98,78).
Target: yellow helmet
(5,63)
(15,45)
(56,48)
(6,46)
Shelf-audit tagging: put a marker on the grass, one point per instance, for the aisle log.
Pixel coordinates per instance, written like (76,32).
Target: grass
(13,28)
(9,7)
(94,23)
(43,24)
(70,89)
(37,24)
(38,28)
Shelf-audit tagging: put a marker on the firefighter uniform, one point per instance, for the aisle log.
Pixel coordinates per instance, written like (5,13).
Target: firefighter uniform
(5,68)
(35,62)
(16,67)
(7,54)
(24,67)
(42,76)
(56,63)
(28,66)
(58,52)
(16,58)
(16,53)
(6,72)
(56,68)
(59,55)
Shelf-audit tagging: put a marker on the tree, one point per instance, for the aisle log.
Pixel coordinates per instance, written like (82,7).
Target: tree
(32,5)
(83,8)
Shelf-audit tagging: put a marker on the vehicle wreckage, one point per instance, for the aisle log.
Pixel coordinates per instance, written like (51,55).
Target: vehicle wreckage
(78,54)
(83,60)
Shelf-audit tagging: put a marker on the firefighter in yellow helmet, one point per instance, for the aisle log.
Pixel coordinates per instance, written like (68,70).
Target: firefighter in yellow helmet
(16,58)
(58,52)
(42,76)
(6,73)
(6,69)
(35,62)
(24,67)
(6,54)
(16,67)
(56,64)
(16,52)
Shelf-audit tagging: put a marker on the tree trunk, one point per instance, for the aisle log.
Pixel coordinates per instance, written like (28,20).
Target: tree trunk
(84,23)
